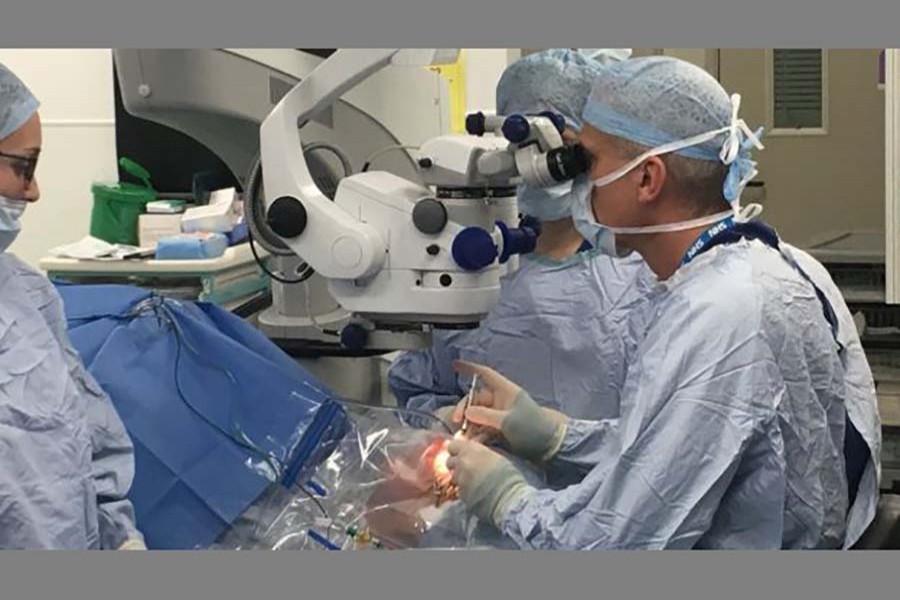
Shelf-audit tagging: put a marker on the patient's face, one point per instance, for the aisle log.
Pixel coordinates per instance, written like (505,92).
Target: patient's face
(393,509)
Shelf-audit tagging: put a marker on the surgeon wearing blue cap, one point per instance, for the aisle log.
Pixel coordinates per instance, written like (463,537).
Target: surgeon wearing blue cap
(67,462)
(557,327)
(742,401)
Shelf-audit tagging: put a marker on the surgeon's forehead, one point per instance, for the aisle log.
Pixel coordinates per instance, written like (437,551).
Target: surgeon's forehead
(26,139)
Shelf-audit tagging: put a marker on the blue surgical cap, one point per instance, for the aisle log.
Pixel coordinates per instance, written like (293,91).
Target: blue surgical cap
(660,100)
(17,103)
(657,100)
(558,80)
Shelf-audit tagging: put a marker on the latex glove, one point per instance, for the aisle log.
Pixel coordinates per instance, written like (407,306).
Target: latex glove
(533,432)
(488,482)
(133,544)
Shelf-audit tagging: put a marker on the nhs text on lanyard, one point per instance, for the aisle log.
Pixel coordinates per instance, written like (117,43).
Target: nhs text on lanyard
(704,239)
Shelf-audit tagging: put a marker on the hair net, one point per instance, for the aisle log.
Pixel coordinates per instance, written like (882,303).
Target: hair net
(558,80)
(17,103)
(655,101)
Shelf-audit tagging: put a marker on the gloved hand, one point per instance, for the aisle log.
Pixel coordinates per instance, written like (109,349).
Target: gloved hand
(533,432)
(488,482)
(475,432)
(133,544)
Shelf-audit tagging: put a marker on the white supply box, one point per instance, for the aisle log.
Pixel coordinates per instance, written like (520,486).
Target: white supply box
(219,216)
(152,228)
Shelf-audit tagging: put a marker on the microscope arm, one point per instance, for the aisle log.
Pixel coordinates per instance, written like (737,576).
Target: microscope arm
(335,243)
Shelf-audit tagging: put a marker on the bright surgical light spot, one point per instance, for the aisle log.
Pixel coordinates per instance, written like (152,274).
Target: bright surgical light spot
(440,463)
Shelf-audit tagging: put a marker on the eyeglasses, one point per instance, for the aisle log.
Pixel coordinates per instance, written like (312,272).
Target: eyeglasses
(22,166)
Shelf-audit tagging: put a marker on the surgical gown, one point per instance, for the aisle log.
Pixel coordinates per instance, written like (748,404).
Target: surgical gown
(860,400)
(67,461)
(731,427)
(556,330)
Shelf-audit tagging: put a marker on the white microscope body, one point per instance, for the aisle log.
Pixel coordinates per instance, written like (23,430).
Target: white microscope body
(403,258)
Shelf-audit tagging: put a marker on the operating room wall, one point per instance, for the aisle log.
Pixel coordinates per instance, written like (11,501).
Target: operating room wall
(484,66)
(77,111)
(818,185)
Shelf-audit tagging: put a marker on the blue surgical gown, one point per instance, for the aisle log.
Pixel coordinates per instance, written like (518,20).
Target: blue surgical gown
(557,330)
(731,423)
(860,399)
(67,461)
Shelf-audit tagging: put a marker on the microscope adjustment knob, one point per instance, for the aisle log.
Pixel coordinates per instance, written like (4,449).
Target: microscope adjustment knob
(429,216)
(354,336)
(287,217)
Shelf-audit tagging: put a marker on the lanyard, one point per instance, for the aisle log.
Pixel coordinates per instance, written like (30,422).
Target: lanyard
(702,243)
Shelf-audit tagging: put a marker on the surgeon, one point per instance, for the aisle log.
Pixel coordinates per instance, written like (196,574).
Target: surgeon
(67,462)
(557,326)
(735,411)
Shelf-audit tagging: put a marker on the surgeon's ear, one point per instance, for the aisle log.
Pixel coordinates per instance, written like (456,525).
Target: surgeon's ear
(652,174)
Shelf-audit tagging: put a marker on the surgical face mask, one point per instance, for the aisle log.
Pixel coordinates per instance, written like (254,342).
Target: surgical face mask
(546,204)
(603,237)
(600,237)
(10,225)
